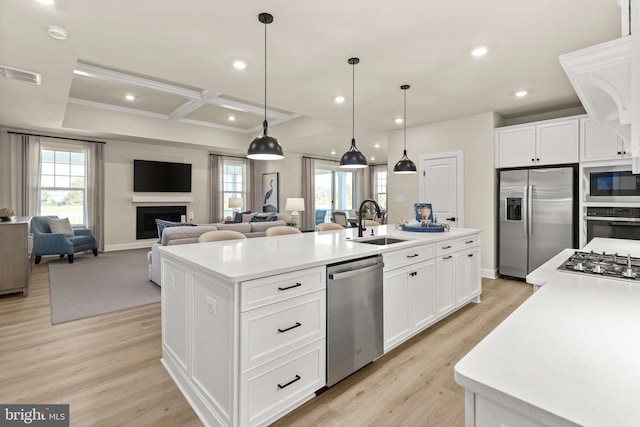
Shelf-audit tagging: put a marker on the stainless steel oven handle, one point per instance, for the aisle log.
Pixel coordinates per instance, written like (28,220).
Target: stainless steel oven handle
(356,272)
(611,218)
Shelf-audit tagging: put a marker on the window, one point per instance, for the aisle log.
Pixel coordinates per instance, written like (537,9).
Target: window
(62,183)
(233,183)
(333,190)
(380,183)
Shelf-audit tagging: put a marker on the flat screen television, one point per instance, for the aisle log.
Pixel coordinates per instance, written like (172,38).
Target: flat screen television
(151,176)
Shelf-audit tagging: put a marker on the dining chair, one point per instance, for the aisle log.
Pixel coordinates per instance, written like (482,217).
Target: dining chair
(281,230)
(329,226)
(339,217)
(219,235)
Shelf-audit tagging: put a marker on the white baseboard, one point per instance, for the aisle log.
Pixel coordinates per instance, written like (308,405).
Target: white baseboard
(136,245)
(489,273)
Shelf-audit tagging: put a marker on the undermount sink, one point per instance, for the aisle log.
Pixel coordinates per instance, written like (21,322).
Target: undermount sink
(381,241)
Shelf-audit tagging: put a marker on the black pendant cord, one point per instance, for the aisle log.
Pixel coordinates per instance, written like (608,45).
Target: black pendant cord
(405,122)
(353,103)
(264,125)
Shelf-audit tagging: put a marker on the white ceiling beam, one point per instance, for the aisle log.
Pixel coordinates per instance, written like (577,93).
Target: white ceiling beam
(118,108)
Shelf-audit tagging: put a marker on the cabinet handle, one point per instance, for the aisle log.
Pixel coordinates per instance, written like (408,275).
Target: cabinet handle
(297,378)
(533,160)
(469,241)
(537,160)
(290,287)
(446,257)
(415,273)
(298,324)
(619,152)
(446,247)
(470,255)
(413,256)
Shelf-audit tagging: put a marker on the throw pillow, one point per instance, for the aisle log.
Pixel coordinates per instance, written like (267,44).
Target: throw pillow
(264,217)
(61,225)
(248,217)
(162,224)
(238,217)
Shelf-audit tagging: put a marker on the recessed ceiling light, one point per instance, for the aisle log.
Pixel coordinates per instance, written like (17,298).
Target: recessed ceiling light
(239,65)
(479,51)
(47,2)
(373,158)
(376,145)
(333,152)
(398,120)
(231,118)
(57,33)
(521,93)
(129,97)
(339,99)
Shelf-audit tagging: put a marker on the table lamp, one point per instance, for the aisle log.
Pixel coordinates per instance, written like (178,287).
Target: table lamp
(236,202)
(295,204)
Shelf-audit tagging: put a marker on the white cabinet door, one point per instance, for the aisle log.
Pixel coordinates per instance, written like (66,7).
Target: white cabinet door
(599,142)
(445,284)
(468,281)
(516,146)
(557,142)
(422,294)
(175,312)
(397,325)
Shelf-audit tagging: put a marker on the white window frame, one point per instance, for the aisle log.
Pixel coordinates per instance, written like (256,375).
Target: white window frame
(228,193)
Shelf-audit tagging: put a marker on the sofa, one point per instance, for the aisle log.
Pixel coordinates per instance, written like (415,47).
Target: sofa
(182,235)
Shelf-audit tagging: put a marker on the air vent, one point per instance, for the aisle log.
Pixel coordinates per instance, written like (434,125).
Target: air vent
(22,75)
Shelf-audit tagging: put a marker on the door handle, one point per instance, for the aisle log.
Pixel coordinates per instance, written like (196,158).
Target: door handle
(452,219)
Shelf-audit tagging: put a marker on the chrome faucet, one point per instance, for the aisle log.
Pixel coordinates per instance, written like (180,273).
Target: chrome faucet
(375,204)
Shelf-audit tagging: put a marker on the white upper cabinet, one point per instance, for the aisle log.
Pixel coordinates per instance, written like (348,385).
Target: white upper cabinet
(544,143)
(598,142)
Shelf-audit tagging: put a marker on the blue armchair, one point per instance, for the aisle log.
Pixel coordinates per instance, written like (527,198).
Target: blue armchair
(47,243)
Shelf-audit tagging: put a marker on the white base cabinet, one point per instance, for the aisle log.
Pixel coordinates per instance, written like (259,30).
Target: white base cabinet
(243,354)
(421,287)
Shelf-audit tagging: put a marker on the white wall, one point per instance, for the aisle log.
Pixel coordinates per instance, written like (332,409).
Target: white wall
(290,181)
(120,211)
(474,136)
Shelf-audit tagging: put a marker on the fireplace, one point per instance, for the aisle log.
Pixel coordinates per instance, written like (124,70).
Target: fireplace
(146,216)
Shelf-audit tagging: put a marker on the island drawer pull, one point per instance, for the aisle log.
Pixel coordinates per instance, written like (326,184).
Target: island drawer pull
(446,247)
(290,287)
(413,256)
(469,241)
(470,255)
(298,324)
(297,378)
(446,257)
(414,273)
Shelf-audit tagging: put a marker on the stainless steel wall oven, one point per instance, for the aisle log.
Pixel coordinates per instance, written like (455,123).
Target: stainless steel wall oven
(613,222)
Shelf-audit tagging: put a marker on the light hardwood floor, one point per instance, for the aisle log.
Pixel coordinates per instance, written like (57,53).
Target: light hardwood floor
(108,367)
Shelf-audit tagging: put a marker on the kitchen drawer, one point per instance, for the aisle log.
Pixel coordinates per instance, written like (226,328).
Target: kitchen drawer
(404,257)
(445,247)
(260,292)
(271,389)
(274,330)
(466,242)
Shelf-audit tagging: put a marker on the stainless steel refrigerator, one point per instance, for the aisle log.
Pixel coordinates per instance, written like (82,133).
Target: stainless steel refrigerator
(537,211)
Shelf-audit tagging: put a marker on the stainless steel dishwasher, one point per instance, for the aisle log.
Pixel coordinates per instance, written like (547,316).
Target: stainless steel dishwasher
(354,316)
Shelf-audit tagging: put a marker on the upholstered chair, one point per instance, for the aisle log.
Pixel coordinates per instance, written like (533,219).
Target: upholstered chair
(47,243)
(339,217)
(284,229)
(218,235)
(329,226)
(369,223)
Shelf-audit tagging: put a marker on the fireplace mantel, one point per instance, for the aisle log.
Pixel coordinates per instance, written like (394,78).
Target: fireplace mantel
(162,199)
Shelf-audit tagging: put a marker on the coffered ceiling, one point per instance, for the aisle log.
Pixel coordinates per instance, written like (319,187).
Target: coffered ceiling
(176,59)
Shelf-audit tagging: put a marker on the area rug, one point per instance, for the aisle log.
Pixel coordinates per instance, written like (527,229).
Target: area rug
(96,285)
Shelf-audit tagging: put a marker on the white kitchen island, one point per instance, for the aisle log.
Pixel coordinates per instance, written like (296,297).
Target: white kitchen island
(570,355)
(244,321)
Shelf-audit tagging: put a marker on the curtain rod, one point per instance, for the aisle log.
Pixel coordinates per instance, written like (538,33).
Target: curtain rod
(211,153)
(56,137)
(320,158)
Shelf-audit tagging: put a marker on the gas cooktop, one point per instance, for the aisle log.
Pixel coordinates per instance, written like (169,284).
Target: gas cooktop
(612,266)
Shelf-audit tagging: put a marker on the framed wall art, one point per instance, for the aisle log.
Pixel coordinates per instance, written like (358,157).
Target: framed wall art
(270,192)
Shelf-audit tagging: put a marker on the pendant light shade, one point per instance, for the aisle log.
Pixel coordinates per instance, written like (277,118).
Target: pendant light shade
(353,159)
(265,147)
(405,165)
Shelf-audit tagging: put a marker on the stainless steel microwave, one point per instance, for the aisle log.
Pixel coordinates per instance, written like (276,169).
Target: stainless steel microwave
(614,184)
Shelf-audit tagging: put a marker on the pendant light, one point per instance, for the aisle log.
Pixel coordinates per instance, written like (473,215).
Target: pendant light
(353,159)
(265,147)
(405,165)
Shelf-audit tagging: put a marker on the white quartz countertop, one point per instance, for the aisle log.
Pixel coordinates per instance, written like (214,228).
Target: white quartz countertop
(570,355)
(238,260)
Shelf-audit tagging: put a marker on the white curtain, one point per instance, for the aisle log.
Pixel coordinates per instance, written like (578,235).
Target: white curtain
(25,174)
(215,188)
(363,187)
(94,203)
(308,217)
(248,180)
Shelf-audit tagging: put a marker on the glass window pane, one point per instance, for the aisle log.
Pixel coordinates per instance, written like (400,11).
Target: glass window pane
(47,181)
(77,182)
(62,169)
(48,168)
(62,157)
(63,181)
(77,158)
(77,170)
(65,204)
(48,156)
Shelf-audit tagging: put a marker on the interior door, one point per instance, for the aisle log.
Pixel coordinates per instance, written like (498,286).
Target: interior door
(441,188)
